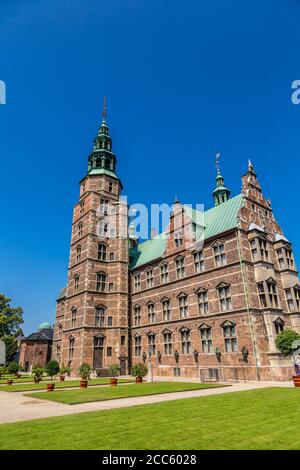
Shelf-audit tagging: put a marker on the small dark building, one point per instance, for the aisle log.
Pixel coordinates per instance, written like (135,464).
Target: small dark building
(36,348)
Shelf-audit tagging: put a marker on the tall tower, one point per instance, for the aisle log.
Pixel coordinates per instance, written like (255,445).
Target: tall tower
(92,313)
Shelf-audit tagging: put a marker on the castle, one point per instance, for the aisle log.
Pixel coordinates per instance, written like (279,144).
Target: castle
(212,312)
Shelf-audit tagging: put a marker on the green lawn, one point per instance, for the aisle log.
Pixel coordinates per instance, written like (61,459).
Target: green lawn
(72,397)
(67,384)
(23,379)
(257,419)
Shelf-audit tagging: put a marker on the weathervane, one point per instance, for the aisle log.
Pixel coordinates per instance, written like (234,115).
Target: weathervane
(217,161)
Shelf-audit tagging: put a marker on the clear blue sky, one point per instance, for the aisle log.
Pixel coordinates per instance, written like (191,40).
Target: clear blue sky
(181,78)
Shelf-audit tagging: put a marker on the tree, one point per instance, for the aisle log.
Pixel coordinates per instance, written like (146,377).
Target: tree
(10,321)
(52,369)
(284,341)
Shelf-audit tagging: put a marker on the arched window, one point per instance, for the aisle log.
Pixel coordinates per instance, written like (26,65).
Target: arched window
(78,253)
(102,251)
(73,316)
(76,282)
(71,347)
(80,227)
(100,312)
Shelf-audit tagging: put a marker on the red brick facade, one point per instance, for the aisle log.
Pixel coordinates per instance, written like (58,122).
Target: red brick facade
(165,322)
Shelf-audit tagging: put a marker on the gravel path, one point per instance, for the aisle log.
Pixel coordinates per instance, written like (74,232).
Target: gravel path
(17,407)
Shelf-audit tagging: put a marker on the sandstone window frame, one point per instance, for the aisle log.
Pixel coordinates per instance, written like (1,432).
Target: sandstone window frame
(230,336)
(164,273)
(76,283)
(80,229)
(137,345)
(151,343)
(205,332)
(100,315)
(219,253)
(285,257)
(137,283)
(102,251)
(185,340)
(71,347)
(150,278)
(137,314)
(225,296)
(183,304)
(166,308)
(167,342)
(178,238)
(73,317)
(199,263)
(151,311)
(202,300)
(292,295)
(180,267)
(101,281)
(268,293)
(58,353)
(103,207)
(78,253)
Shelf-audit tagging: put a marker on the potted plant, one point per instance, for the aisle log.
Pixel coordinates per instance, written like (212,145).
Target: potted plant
(84,373)
(284,342)
(139,371)
(63,371)
(37,374)
(114,372)
(52,369)
(13,368)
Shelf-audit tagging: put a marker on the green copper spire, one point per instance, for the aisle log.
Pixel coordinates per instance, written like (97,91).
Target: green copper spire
(221,193)
(102,159)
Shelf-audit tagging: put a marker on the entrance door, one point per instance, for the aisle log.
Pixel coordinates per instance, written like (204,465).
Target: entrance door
(98,353)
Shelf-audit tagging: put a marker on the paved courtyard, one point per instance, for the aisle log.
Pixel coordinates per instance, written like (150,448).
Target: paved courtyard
(14,406)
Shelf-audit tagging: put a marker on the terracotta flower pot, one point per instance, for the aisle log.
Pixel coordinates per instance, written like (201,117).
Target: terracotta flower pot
(9,381)
(61,378)
(83,383)
(50,387)
(296,379)
(113,382)
(139,380)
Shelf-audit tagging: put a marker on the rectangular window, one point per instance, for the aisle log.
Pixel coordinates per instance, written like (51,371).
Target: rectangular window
(262,295)
(104,206)
(150,279)
(164,274)
(110,287)
(263,246)
(272,292)
(183,306)
(178,238)
(199,261)
(289,258)
(122,340)
(110,187)
(81,207)
(180,267)
(203,302)
(111,256)
(109,321)
(289,299)
(225,298)
(297,297)
(109,351)
(80,227)
(101,282)
(78,253)
(151,313)
(166,309)
(253,248)
(76,283)
(168,347)
(219,254)
(230,339)
(137,282)
(186,344)
(206,340)
(151,345)
(137,345)
(137,315)
(102,251)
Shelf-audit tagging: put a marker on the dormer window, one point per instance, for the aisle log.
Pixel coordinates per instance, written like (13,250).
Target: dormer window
(178,238)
